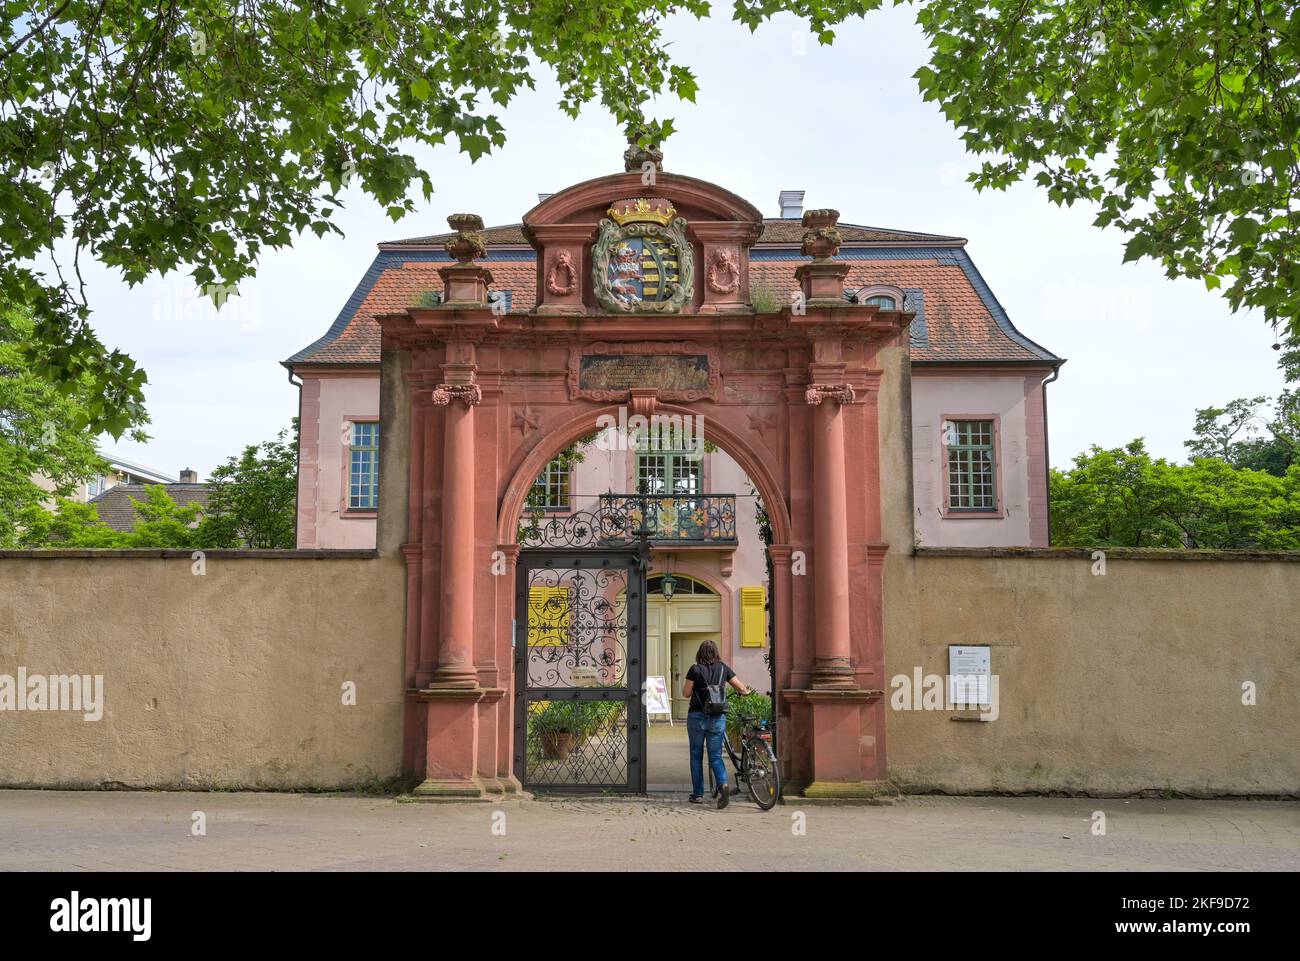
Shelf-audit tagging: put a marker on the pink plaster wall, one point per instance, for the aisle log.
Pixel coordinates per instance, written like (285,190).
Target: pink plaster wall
(1014,402)
(328,402)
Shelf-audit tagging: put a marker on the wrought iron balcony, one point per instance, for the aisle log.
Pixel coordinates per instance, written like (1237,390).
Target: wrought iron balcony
(705,520)
(677,518)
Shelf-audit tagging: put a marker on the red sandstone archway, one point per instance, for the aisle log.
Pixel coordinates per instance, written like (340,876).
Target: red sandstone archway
(791,396)
(758,468)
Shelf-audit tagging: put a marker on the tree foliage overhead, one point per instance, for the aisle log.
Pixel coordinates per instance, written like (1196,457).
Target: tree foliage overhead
(1181,120)
(193,135)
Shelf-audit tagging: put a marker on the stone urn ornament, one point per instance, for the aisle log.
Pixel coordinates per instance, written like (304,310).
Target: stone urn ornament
(468,243)
(645,158)
(821,240)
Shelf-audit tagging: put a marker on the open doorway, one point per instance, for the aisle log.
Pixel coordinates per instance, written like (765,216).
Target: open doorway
(707,578)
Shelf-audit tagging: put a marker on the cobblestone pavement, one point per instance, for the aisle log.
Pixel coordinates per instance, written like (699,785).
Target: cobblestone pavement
(66,830)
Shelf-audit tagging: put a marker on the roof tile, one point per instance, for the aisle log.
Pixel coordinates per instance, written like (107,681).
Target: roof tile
(963,320)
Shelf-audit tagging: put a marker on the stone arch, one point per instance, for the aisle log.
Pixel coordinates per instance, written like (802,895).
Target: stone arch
(700,195)
(756,468)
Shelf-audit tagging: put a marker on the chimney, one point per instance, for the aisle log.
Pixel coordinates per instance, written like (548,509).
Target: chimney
(189,476)
(791,204)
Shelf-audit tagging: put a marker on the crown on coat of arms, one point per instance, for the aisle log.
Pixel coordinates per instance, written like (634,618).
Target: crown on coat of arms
(653,210)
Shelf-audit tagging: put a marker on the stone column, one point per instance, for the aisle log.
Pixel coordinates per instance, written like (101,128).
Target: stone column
(832,664)
(456,637)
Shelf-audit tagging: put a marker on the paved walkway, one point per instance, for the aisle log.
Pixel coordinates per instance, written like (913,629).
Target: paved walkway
(56,830)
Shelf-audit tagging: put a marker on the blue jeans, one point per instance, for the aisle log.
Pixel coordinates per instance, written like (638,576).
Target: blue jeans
(700,727)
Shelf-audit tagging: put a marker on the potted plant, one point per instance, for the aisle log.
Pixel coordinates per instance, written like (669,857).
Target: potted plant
(558,726)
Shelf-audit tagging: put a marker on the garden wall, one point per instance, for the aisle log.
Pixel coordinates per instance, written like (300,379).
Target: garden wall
(1114,684)
(229,679)
(1110,683)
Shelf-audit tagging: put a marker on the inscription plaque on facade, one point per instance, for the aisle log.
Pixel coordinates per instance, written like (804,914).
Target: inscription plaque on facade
(679,371)
(665,371)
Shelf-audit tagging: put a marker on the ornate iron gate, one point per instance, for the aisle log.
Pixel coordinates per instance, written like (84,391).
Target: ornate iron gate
(580,652)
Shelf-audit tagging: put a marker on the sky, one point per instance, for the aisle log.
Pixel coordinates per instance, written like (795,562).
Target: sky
(774,111)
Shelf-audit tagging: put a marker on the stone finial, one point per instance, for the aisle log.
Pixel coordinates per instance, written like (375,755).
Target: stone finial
(636,156)
(468,243)
(821,240)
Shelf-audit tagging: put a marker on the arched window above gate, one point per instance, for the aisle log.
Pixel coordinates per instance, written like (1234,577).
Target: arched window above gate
(683,585)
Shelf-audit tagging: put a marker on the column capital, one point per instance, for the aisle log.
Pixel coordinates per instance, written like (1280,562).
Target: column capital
(469,394)
(816,393)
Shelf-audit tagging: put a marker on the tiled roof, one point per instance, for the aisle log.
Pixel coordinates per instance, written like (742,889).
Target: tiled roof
(116,509)
(961,319)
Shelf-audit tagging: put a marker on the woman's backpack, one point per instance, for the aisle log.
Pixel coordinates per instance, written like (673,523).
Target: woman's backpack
(714,695)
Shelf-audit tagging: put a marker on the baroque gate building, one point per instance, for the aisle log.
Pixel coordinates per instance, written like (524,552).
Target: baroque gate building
(650,299)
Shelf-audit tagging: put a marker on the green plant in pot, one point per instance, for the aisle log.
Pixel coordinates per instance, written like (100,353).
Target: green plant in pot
(752,704)
(559,725)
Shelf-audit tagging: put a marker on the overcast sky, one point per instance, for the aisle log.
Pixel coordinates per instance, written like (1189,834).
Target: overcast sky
(776,111)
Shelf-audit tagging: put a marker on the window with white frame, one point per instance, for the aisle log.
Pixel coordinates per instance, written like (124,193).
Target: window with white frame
(972,465)
(551,490)
(676,472)
(363,466)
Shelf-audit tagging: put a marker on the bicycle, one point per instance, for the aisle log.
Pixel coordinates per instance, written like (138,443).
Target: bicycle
(756,766)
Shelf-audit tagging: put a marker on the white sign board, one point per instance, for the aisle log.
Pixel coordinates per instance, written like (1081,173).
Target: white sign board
(969,669)
(656,696)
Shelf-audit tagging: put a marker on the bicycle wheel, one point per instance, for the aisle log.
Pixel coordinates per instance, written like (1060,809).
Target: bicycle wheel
(764,778)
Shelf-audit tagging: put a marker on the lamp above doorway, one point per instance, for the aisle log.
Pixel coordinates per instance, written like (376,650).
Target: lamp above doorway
(668,586)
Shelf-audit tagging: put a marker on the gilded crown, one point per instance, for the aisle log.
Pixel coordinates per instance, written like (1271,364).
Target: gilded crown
(654,210)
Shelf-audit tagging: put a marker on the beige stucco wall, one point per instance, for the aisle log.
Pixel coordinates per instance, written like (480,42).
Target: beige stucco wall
(232,679)
(1112,684)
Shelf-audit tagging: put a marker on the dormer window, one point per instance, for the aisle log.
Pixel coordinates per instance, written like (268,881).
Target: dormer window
(882,296)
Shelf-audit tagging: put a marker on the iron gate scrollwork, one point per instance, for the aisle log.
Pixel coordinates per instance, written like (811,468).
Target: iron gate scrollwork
(580,644)
(580,671)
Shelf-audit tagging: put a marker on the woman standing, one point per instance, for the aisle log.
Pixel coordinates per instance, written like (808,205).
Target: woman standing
(703,726)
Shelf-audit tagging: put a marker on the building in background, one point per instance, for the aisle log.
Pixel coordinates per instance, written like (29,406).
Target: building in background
(979,409)
(115,503)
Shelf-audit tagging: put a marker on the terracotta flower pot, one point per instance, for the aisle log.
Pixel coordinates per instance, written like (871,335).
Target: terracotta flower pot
(557,745)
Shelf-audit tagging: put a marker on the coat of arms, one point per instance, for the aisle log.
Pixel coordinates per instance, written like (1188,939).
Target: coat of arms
(642,261)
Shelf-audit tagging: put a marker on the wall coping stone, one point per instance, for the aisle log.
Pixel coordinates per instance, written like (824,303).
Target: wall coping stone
(1112,553)
(152,553)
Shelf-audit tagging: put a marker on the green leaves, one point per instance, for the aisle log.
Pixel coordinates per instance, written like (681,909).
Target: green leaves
(1125,498)
(254,496)
(1241,489)
(1179,120)
(46,449)
(195,137)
